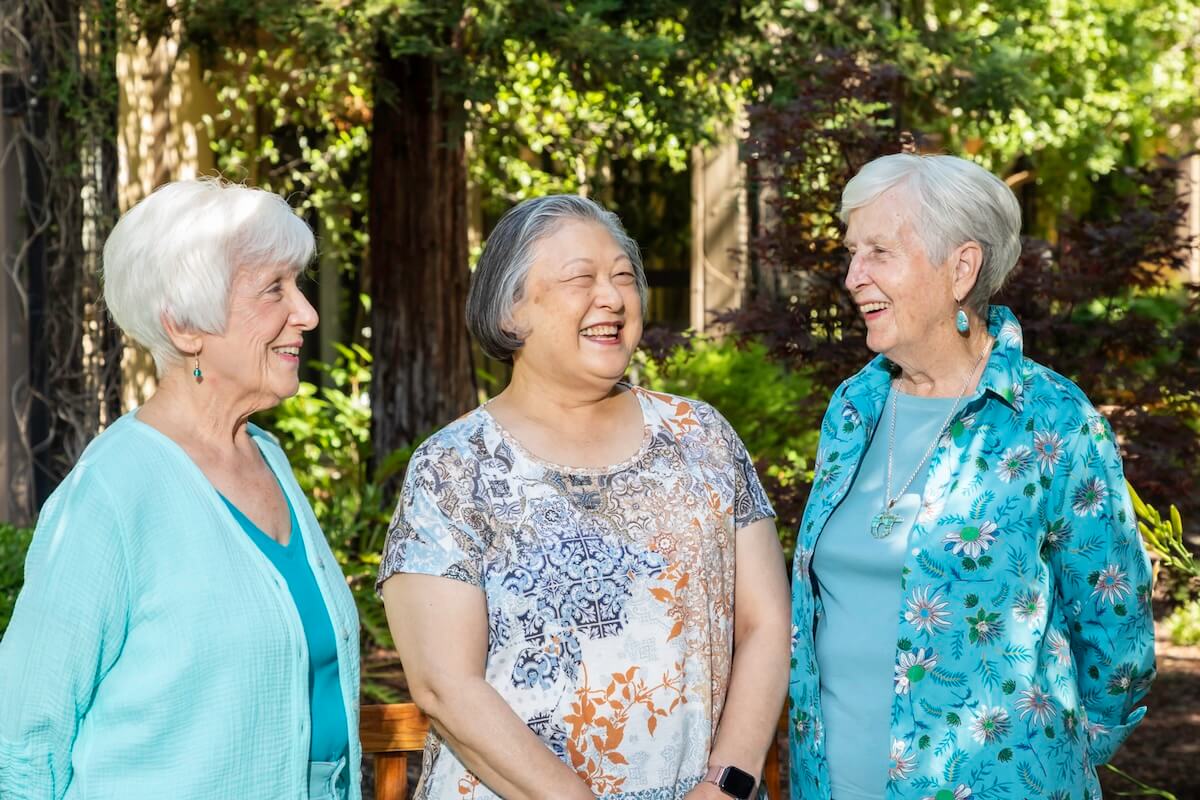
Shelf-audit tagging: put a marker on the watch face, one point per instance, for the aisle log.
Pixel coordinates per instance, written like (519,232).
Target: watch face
(737,783)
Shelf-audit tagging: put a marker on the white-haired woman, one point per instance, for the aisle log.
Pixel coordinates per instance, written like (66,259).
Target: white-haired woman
(971,599)
(583,577)
(184,630)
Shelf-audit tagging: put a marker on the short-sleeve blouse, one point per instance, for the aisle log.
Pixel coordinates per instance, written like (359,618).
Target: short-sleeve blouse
(609,591)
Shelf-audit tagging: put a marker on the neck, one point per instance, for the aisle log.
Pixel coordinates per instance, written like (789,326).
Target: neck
(551,403)
(194,414)
(941,369)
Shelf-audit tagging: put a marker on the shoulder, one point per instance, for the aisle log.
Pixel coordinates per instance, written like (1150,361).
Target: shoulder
(678,412)
(1059,399)
(471,437)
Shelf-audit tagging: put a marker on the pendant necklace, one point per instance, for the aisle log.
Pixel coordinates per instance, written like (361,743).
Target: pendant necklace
(883,522)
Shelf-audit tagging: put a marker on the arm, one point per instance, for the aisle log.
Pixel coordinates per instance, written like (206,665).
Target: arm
(66,632)
(759,676)
(1102,575)
(424,613)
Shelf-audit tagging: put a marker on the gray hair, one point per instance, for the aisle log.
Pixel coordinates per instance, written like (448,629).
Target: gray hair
(957,201)
(176,252)
(499,280)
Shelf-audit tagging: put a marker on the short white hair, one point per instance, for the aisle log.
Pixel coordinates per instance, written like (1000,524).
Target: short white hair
(957,201)
(176,252)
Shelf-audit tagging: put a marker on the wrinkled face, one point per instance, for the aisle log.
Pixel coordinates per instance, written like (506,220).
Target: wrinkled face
(580,315)
(907,302)
(258,356)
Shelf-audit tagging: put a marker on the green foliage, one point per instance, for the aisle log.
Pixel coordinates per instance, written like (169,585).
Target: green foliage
(1183,624)
(326,435)
(1164,537)
(771,407)
(14,542)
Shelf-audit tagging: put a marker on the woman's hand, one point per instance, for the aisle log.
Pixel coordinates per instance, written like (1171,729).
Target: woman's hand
(441,632)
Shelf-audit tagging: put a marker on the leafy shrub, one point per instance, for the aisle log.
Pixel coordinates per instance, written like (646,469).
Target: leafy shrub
(326,433)
(776,411)
(1183,624)
(14,542)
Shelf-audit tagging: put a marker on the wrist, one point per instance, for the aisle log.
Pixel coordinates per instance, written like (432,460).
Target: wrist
(731,781)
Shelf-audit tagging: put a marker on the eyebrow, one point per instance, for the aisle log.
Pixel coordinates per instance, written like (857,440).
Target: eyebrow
(589,261)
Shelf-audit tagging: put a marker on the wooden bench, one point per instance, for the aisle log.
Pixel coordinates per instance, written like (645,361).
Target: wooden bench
(392,732)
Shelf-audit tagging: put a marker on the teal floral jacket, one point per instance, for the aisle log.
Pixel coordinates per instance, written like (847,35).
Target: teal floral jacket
(1025,636)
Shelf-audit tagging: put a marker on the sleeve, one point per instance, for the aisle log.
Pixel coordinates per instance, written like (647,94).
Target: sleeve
(67,630)
(750,502)
(1103,579)
(439,525)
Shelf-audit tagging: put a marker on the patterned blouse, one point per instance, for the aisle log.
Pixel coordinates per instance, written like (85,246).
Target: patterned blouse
(1025,635)
(609,591)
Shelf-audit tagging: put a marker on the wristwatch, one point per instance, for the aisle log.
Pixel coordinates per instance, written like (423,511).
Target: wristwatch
(732,781)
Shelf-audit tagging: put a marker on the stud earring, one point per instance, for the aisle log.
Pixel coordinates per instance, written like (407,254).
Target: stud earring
(961,323)
(196,373)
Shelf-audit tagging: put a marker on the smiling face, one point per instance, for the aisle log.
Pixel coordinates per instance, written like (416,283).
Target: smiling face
(907,302)
(580,313)
(258,355)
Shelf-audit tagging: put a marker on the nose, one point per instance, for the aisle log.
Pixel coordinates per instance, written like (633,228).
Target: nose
(856,272)
(304,316)
(608,295)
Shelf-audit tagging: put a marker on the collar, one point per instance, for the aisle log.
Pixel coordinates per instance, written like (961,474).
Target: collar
(867,391)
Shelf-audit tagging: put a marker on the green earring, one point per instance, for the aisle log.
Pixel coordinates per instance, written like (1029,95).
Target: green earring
(196,373)
(961,322)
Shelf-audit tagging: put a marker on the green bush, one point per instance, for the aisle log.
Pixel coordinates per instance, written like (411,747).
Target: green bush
(1183,624)
(776,411)
(326,433)
(14,542)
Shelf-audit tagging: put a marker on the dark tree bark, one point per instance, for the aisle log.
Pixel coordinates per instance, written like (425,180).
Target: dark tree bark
(422,376)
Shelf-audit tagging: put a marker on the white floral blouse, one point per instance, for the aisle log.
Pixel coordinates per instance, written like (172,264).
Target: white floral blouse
(609,591)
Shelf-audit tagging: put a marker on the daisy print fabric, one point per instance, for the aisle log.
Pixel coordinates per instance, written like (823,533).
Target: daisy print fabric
(609,591)
(1025,635)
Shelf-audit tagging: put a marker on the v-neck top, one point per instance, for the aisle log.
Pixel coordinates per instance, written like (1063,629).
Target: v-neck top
(329,740)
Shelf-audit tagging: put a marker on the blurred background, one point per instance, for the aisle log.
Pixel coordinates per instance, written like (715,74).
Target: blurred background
(721,133)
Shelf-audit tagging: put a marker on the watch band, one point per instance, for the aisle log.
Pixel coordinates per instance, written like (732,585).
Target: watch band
(731,781)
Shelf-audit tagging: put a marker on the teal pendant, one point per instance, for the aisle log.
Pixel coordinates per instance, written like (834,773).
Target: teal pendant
(962,323)
(197,373)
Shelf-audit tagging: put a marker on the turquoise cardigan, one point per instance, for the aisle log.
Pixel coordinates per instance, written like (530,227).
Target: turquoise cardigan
(154,651)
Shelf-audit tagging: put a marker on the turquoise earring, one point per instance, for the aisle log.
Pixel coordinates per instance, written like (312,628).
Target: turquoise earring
(961,322)
(196,373)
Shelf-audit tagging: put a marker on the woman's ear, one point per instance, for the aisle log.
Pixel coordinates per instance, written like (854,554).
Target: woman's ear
(966,261)
(185,340)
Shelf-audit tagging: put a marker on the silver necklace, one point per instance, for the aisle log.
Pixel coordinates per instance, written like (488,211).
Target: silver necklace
(883,522)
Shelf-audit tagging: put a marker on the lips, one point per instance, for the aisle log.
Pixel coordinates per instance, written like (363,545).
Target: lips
(603,331)
(289,351)
(867,309)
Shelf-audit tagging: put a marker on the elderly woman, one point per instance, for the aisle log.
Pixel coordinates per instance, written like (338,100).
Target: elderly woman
(184,630)
(971,597)
(583,577)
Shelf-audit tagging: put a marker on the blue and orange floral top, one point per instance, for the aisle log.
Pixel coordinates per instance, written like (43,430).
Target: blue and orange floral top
(609,591)
(1025,634)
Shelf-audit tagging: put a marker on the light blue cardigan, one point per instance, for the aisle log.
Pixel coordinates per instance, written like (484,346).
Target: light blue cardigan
(154,651)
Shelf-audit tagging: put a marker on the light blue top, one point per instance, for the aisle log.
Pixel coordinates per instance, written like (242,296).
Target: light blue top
(154,651)
(858,577)
(327,712)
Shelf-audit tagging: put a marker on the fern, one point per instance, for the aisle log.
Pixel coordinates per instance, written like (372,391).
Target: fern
(954,766)
(988,673)
(1001,595)
(944,677)
(1031,783)
(1016,654)
(929,566)
(980,506)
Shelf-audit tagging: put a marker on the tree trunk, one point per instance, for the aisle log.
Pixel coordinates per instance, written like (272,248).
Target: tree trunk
(422,376)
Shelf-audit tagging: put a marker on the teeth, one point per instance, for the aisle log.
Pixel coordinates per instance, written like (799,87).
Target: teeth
(288,351)
(600,330)
(869,307)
